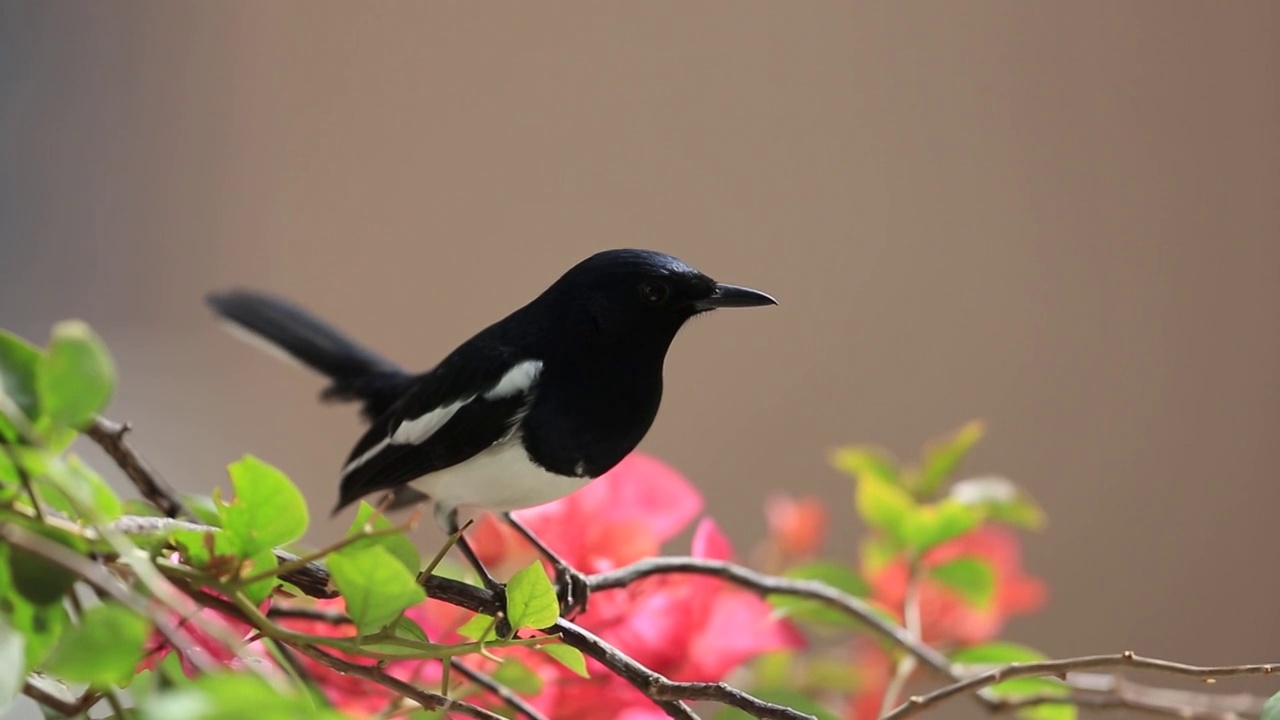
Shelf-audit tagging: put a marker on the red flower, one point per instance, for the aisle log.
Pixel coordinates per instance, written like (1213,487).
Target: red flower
(946,616)
(797,526)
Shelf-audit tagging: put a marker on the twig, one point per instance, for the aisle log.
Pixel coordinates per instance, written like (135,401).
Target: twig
(96,577)
(53,702)
(1099,685)
(763,584)
(481,679)
(914,627)
(1061,667)
(427,699)
(502,692)
(109,435)
(312,579)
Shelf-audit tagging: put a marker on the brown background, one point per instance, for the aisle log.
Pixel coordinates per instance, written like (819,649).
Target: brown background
(1060,217)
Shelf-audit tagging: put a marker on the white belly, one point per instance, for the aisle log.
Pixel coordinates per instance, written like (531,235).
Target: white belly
(501,478)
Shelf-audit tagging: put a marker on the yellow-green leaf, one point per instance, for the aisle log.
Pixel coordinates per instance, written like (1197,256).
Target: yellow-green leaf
(973,578)
(531,599)
(567,656)
(268,510)
(932,525)
(376,586)
(397,544)
(859,460)
(943,456)
(883,505)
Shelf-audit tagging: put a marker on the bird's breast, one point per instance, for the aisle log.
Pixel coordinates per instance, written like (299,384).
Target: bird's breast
(500,479)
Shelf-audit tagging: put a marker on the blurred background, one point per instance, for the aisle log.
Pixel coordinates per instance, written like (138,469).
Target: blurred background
(1062,218)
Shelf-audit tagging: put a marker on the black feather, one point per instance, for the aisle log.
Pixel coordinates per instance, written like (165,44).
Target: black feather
(357,374)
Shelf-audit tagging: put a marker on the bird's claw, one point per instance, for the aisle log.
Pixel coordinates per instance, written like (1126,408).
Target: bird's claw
(572,589)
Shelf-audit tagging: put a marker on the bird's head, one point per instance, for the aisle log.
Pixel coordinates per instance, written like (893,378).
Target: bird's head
(647,295)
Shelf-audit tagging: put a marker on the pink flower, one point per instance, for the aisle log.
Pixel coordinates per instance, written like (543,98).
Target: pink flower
(623,516)
(947,617)
(687,627)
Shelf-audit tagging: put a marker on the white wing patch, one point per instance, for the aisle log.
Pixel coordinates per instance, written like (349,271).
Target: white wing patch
(518,379)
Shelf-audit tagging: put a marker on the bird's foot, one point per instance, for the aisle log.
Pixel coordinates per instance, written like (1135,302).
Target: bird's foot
(572,590)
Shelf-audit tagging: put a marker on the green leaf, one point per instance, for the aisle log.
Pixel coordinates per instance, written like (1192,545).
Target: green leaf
(376,585)
(517,676)
(268,511)
(203,507)
(973,578)
(1001,500)
(861,460)
(76,376)
(19,401)
(943,456)
(33,577)
(227,696)
(398,545)
(10,480)
(12,663)
(89,490)
(808,610)
(1271,708)
(567,656)
(478,628)
(206,549)
(261,561)
(104,649)
(531,599)
(932,525)
(1050,711)
(883,505)
(40,625)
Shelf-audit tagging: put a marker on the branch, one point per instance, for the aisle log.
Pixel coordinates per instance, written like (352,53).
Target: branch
(763,584)
(919,703)
(98,578)
(481,679)
(427,699)
(911,615)
(503,693)
(313,580)
(109,435)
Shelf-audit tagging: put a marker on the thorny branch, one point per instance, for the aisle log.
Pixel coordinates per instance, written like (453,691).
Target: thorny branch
(1087,689)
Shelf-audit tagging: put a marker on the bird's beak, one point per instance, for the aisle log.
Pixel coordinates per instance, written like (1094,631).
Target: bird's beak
(729,296)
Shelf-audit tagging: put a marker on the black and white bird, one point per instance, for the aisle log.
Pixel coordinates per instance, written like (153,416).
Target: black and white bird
(528,410)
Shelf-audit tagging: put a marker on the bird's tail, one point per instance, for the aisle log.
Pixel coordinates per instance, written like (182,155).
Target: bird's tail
(286,330)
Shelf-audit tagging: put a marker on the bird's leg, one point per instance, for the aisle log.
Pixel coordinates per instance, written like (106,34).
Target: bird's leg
(571,585)
(503,627)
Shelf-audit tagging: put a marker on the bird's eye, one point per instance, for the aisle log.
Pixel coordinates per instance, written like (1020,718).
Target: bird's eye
(654,292)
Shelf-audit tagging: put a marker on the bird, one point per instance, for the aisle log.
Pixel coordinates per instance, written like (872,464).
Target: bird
(526,411)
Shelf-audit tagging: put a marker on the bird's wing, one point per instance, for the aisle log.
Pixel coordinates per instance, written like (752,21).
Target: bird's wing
(451,414)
